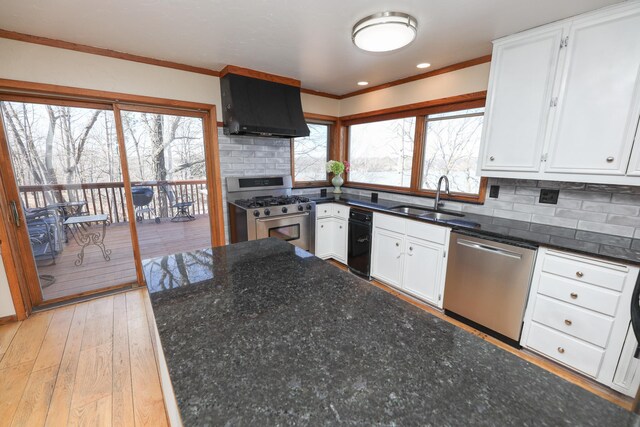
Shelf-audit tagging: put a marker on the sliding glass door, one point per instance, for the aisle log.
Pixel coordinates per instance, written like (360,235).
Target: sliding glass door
(66,165)
(168,173)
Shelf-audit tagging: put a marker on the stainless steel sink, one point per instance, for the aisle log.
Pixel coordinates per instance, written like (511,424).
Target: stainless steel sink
(410,210)
(441,216)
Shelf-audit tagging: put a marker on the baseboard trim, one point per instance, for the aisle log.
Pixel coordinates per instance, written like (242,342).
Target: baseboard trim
(8,319)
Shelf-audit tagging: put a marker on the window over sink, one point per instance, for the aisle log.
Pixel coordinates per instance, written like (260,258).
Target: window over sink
(407,152)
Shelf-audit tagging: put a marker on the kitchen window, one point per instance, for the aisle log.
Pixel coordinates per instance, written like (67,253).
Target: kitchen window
(407,152)
(451,147)
(309,155)
(382,152)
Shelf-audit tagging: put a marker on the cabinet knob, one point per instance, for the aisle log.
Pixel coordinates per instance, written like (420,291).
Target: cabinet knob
(397,244)
(579,273)
(574,295)
(322,226)
(492,158)
(410,248)
(568,322)
(560,350)
(609,159)
(340,227)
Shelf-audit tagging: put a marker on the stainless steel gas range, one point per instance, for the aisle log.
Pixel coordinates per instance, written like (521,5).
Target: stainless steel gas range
(261,207)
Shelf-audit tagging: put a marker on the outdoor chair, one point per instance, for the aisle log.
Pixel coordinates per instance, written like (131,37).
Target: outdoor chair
(181,206)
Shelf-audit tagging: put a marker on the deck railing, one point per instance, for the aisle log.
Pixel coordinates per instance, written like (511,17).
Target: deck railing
(109,197)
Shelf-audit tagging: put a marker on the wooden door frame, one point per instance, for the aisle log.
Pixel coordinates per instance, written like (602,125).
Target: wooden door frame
(19,264)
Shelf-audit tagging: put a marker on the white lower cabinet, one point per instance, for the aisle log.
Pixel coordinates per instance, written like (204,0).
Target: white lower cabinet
(414,264)
(578,315)
(332,232)
(386,256)
(423,269)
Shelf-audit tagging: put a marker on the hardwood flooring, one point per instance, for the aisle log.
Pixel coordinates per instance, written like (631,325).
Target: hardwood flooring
(88,364)
(96,273)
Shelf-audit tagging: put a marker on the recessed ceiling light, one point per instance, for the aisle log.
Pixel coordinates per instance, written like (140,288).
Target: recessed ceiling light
(363,83)
(384,31)
(423,65)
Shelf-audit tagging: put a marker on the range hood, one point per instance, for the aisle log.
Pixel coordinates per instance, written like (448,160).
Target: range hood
(259,107)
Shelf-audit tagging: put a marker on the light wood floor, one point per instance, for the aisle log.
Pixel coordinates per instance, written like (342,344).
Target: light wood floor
(96,273)
(88,364)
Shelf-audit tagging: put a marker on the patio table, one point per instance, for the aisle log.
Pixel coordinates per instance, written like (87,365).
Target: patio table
(84,235)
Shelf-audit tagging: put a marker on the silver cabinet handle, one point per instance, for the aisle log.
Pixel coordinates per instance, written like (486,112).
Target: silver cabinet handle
(560,350)
(488,248)
(568,322)
(574,295)
(609,159)
(579,273)
(492,158)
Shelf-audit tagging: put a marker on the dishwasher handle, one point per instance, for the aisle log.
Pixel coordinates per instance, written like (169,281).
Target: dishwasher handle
(488,248)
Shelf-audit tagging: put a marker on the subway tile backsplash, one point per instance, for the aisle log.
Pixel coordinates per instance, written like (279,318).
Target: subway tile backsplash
(590,208)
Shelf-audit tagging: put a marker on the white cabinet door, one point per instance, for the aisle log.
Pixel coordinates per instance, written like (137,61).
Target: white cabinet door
(386,257)
(423,270)
(518,101)
(340,239)
(598,96)
(324,237)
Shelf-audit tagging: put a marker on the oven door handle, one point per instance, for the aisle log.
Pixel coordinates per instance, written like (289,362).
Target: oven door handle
(282,217)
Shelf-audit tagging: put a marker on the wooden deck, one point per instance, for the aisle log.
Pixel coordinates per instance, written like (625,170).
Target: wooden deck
(95,273)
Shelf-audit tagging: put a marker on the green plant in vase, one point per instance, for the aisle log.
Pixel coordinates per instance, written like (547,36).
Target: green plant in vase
(337,169)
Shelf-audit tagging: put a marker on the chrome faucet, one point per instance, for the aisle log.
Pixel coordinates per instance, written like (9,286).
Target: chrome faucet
(444,178)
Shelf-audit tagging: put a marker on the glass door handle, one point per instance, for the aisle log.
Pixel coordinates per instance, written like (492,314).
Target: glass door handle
(14,212)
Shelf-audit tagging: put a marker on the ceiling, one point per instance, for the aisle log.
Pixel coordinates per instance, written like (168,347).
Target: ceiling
(309,40)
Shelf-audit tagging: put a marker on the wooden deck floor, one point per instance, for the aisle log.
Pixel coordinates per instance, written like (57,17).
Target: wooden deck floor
(89,364)
(95,273)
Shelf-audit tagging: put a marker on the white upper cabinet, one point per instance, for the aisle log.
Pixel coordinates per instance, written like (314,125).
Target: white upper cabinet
(564,101)
(599,96)
(518,101)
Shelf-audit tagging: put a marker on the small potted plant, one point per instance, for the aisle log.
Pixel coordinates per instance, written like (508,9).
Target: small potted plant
(337,168)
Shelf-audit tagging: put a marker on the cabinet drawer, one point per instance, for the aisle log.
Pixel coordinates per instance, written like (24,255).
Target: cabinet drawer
(432,233)
(592,297)
(565,349)
(340,211)
(324,210)
(586,271)
(578,322)
(388,222)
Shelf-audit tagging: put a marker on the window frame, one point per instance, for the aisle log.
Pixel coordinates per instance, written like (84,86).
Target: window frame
(419,142)
(331,125)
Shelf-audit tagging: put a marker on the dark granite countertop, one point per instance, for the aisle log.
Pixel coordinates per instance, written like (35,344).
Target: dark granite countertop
(606,246)
(263,333)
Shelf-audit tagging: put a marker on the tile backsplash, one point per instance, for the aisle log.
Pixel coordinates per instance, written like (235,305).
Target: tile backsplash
(596,208)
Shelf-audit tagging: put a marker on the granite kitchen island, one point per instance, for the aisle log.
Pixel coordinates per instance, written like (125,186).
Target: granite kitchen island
(263,333)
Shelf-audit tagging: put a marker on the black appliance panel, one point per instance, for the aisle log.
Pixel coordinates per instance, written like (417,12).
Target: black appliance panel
(359,245)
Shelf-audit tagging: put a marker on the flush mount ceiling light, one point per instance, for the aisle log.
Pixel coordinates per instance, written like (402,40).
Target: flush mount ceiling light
(363,83)
(384,31)
(423,65)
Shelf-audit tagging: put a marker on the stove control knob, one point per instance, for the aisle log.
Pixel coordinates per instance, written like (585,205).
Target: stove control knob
(256,213)
(308,207)
(300,208)
(284,209)
(267,212)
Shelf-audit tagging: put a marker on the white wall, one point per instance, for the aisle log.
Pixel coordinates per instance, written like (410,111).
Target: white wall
(460,82)
(6,303)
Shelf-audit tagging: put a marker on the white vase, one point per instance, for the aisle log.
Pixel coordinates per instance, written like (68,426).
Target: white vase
(337,182)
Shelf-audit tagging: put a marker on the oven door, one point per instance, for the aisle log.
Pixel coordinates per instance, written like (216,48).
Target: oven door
(291,228)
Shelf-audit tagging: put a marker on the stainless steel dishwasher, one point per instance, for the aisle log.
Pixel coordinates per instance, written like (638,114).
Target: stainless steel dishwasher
(488,282)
